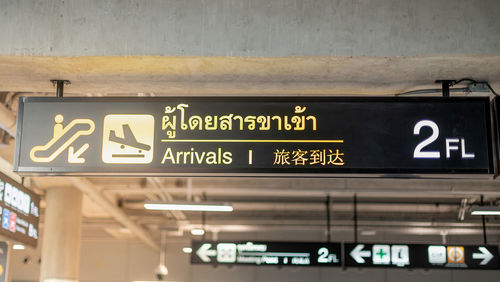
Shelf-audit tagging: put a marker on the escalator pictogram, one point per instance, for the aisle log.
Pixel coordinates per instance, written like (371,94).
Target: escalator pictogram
(60,134)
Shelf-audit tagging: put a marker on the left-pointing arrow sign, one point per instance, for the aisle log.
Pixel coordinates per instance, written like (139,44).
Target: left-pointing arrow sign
(484,254)
(358,254)
(205,253)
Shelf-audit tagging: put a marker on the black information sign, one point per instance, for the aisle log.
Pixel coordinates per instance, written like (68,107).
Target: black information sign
(254,136)
(19,210)
(355,254)
(266,253)
(4,254)
(496,108)
(421,256)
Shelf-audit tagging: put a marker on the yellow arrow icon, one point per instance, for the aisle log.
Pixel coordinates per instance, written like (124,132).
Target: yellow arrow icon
(74,157)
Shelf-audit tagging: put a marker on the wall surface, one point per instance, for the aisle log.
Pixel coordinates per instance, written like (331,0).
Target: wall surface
(249,27)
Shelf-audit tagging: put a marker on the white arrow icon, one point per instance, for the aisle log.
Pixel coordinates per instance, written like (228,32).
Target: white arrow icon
(74,157)
(204,252)
(357,253)
(484,254)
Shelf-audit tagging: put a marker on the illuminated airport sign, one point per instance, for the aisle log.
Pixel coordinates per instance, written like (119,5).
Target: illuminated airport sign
(496,107)
(381,254)
(266,253)
(421,256)
(354,254)
(4,254)
(20,212)
(279,136)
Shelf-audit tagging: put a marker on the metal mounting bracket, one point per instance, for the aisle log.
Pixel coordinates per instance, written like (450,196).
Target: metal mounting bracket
(446,86)
(60,86)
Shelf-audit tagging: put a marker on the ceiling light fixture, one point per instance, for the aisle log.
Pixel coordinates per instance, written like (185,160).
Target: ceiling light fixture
(485,210)
(209,207)
(187,250)
(18,247)
(197,232)
(368,233)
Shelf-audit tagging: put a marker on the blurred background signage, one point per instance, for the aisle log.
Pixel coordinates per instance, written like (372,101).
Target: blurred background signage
(354,254)
(266,253)
(421,256)
(20,210)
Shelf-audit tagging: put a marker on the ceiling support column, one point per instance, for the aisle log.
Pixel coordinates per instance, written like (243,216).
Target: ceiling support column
(62,235)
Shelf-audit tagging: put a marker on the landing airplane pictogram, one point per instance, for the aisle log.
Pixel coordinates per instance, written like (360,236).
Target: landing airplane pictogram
(128,140)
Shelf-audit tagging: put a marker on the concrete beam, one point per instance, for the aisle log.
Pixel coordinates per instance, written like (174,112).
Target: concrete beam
(241,76)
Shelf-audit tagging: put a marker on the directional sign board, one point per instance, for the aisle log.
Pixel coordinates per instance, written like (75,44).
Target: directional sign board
(279,136)
(4,254)
(496,107)
(266,253)
(20,212)
(421,256)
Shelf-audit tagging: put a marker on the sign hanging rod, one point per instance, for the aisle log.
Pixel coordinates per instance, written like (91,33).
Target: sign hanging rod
(60,86)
